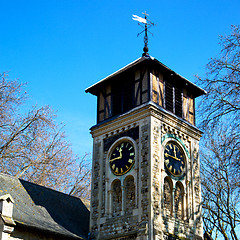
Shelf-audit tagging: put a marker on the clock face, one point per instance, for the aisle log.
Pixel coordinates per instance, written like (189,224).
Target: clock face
(122,158)
(174,160)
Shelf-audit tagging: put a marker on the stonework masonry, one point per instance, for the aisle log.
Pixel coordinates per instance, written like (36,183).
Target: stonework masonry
(148,129)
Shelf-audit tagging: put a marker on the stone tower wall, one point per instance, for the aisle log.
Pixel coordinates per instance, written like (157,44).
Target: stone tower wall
(149,129)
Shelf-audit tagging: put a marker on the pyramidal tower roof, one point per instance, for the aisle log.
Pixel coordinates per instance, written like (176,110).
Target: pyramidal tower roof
(197,91)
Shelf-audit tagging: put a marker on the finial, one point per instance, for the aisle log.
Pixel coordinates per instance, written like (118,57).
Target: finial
(147,24)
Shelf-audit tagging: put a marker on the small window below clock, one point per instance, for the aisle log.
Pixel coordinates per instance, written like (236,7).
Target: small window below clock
(116,198)
(178,201)
(130,196)
(167,198)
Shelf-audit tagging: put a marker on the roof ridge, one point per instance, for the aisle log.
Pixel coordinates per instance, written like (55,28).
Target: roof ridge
(41,186)
(49,188)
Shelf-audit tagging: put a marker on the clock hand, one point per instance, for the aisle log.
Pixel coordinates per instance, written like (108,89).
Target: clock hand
(172,157)
(115,159)
(120,151)
(174,149)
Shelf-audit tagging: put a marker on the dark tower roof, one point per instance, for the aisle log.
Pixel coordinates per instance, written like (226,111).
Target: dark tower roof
(195,90)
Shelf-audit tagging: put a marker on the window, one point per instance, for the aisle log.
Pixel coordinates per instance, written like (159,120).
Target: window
(116,198)
(178,102)
(167,195)
(129,194)
(178,201)
(122,96)
(173,99)
(169,96)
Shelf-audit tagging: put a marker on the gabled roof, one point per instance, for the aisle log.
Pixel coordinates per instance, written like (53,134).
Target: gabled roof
(46,210)
(146,59)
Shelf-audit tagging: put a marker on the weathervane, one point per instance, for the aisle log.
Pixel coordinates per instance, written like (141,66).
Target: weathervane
(147,24)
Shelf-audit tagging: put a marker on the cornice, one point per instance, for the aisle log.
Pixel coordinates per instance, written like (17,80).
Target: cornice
(127,119)
(178,123)
(130,119)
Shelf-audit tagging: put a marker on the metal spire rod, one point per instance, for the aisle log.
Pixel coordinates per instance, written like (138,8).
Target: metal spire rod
(147,24)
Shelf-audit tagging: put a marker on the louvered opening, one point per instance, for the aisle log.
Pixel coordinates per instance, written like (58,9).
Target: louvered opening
(116,100)
(178,102)
(168,96)
(128,96)
(122,96)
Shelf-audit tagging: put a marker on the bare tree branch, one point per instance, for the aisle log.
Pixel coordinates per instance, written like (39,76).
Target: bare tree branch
(34,147)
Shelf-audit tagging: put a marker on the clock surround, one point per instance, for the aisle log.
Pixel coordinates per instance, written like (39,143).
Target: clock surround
(174,160)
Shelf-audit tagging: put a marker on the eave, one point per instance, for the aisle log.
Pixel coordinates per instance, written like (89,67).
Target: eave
(94,89)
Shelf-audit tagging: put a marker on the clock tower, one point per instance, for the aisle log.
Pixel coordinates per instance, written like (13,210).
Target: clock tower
(145,172)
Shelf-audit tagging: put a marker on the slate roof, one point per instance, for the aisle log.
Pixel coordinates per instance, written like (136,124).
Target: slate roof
(46,210)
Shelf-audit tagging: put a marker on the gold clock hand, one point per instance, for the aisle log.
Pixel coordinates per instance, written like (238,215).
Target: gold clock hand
(120,151)
(174,149)
(111,160)
(172,157)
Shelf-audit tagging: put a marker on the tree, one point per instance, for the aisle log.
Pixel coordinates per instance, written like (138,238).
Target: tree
(220,183)
(222,81)
(34,147)
(220,165)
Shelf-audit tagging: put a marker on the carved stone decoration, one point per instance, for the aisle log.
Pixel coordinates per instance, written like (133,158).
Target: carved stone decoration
(103,186)
(144,171)
(116,198)
(195,155)
(132,133)
(130,194)
(178,201)
(196,174)
(95,184)
(156,172)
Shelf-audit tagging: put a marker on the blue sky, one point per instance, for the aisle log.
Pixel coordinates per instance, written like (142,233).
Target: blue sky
(61,47)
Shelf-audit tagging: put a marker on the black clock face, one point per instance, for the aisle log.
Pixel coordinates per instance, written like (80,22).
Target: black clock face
(174,160)
(122,158)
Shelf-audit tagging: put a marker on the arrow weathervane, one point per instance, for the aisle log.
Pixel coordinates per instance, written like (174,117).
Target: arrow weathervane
(147,24)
